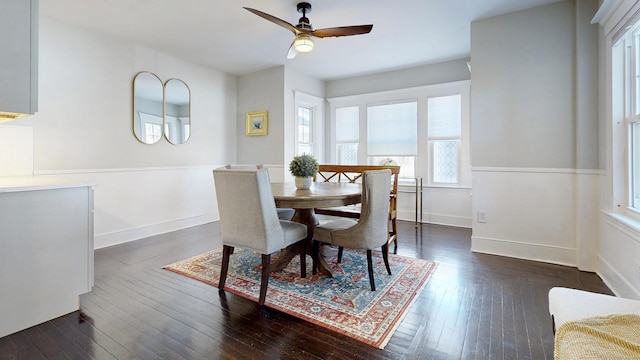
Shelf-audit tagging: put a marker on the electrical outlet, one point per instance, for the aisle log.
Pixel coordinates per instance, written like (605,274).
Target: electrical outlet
(482,217)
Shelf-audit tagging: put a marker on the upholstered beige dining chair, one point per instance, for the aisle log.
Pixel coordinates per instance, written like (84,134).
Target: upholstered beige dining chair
(249,220)
(370,231)
(283,213)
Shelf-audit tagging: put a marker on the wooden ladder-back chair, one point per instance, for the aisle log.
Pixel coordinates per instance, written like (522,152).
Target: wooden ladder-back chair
(353,174)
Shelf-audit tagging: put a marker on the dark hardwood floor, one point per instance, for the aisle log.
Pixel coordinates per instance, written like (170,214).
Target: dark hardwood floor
(475,306)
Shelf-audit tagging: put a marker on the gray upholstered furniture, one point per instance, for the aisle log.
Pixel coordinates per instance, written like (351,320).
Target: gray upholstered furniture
(283,213)
(249,220)
(371,231)
(352,174)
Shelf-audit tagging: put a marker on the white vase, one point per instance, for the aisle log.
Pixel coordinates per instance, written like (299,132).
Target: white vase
(303,183)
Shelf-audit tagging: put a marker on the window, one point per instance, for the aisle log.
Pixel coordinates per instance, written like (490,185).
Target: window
(305,142)
(152,132)
(392,133)
(425,130)
(347,137)
(152,127)
(308,130)
(444,116)
(626,106)
(626,80)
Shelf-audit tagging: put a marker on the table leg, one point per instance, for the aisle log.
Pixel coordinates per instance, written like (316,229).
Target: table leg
(307,217)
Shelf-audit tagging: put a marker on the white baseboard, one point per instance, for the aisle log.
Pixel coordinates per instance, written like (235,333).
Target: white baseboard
(127,235)
(527,251)
(616,282)
(440,219)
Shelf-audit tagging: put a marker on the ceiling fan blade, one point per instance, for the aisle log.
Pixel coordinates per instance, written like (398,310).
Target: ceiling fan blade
(292,51)
(342,31)
(274,20)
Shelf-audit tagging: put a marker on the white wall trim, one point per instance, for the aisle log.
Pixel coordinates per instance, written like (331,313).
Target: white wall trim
(134,203)
(540,170)
(615,281)
(626,225)
(438,219)
(605,11)
(130,170)
(524,250)
(618,256)
(143,231)
(122,170)
(404,93)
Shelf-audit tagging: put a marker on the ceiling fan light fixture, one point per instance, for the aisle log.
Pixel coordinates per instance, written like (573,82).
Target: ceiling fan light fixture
(303,43)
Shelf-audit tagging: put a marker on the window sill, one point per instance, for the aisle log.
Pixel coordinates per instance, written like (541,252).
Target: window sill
(629,222)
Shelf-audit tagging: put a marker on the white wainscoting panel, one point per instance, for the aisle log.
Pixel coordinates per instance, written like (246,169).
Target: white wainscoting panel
(440,205)
(620,254)
(131,204)
(531,213)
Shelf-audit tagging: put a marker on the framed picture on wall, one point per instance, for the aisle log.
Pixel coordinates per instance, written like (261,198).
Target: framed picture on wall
(257,123)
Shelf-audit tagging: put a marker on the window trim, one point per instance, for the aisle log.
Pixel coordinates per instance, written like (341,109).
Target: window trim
(421,93)
(316,104)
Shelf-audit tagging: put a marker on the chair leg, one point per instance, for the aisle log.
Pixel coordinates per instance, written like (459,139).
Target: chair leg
(394,227)
(302,250)
(370,266)
(385,257)
(314,257)
(340,251)
(226,252)
(266,265)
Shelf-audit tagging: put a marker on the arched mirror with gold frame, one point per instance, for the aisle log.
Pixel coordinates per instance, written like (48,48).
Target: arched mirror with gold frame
(147,107)
(177,111)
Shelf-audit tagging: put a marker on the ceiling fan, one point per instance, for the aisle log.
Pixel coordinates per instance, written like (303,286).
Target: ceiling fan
(304,31)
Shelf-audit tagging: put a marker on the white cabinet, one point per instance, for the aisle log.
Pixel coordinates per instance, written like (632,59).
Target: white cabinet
(46,250)
(19,60)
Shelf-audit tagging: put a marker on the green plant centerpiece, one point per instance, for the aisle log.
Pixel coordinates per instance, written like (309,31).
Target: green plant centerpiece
(304,167)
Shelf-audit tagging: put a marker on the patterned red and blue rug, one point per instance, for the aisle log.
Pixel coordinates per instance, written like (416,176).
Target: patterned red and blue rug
(344,304)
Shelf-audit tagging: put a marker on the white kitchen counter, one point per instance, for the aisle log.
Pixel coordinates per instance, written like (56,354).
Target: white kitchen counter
(46,249)
(30,183)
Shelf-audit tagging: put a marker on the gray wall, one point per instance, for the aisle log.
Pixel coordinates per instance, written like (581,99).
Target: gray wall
(262,90)
(524,94)
(430,74)
(534,134)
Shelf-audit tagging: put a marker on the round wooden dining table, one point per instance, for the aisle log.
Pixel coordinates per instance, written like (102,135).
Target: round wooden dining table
(320,195)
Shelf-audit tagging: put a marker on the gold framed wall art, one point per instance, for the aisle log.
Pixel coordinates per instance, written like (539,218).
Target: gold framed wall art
(257,123)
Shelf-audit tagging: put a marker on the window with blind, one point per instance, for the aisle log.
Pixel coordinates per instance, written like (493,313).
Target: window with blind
(443,137)
(392,134)
(425,130)
(347,135)
(305,130)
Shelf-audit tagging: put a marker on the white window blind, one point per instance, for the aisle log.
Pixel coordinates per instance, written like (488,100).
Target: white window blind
(305,132)
(347,135)
(444,131)
(444,116)
(392,129)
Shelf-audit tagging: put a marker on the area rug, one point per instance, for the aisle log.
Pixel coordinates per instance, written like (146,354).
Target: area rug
(344,304)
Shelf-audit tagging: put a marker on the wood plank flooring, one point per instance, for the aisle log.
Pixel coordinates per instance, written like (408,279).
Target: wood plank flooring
(475,306)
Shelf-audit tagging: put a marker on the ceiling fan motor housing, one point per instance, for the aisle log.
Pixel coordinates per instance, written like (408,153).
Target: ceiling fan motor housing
(304,7)
(303,22)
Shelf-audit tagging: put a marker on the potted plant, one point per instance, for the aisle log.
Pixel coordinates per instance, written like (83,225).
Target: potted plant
(303,167)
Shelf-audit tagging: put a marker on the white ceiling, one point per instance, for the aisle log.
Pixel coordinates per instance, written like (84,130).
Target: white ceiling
(223,35)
